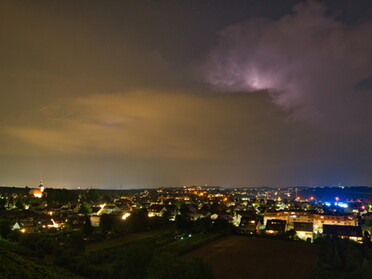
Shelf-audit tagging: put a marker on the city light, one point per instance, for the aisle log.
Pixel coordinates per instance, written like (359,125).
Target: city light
(342,204)
(125,216)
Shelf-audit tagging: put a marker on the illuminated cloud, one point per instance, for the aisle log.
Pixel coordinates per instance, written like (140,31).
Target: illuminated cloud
(148,123)
(310,62)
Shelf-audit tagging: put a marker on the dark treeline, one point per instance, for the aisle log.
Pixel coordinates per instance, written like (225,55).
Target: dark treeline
(17,190)
(90,195)
(62,195)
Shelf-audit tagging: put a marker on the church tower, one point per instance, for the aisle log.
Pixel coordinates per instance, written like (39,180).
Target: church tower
(41,186)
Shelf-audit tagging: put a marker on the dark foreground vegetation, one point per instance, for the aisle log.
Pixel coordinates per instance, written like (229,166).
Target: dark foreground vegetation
(138,252)
(19,262)
(343,259)
(153,257)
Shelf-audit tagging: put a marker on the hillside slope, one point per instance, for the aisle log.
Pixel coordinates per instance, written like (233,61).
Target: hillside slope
(17,262)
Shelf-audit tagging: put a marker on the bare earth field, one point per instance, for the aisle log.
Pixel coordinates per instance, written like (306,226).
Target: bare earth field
(241,257)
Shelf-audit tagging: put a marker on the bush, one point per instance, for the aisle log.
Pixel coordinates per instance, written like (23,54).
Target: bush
(5,228)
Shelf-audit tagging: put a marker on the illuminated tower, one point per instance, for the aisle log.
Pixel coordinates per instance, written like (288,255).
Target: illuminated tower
(41,186)
(38,193)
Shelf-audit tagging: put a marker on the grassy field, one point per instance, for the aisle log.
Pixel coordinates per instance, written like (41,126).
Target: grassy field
(241,257)
(118,241)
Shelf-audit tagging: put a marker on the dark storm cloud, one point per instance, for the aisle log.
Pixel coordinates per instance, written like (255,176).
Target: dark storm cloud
(100,93)
(310,63)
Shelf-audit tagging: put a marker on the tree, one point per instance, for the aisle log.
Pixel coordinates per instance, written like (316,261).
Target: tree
(217,208)
(92,195)
(223,226)
(5,228)
(88,228)
(60,195)
(2,203)
(138,221)
(167,214)
(202,225)
(19,204)
(182,222)
(106,198)
(179,203)
(184,209)
(85,209)
(106,222)
(290,234)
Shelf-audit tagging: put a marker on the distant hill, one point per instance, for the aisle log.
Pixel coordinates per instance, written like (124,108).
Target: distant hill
(18,262)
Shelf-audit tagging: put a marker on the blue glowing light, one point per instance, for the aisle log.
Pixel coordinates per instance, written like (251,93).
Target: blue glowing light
(343,204)
(339,204)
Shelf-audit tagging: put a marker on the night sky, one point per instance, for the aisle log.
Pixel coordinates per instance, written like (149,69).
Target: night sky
(134,94)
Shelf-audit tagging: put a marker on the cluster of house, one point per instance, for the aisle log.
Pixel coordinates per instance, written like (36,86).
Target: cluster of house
(304,223)
(153,210)
(45,216)
(244,209)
